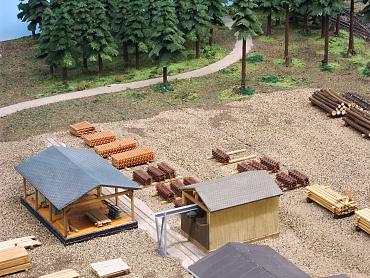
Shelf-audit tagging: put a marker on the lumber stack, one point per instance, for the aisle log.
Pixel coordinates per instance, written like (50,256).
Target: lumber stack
(301,178)
(114,147)
(165,192)
(67,273)
(286,181)
(157,174)
(114,211)
(244,167)
(167,169)
(220,155)
(332,103)
(98,218)
(28,242)
(111,268)
(178,203)
(99,138)
(323,195)
(82,128)
(362,218)
(134,157)
(359,120)
(142,177)
(190,180)
(270,164)
(176,186)
(360,102)
(14,259)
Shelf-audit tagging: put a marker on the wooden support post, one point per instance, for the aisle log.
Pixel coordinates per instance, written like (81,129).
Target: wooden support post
(25,188)
(116,197)
(99,191)
(132,206)
(37,199)
(50,212)
(65,222)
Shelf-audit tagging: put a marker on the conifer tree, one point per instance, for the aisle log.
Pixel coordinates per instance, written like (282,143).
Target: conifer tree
(32,12)
(167,39)
(304,9)
(111,8)
(269,8)
(119,26)
(247,24)
(366,11)
(217,12)
(351,41)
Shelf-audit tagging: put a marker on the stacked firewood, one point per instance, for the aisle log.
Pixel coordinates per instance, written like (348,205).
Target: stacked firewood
(299,177)
(176,187)
(165,192)
(286,181)
(220,156)
(292,180)
(270,164)
(332,103)
(360,102)
(167,169)
(359,120)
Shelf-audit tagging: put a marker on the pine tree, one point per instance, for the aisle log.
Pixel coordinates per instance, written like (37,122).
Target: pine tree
(217,12)
(304,9)
(111,7)
(269,8)
(119,26)
(167,39)
(137,27)
(365,13)
(195,21)
(32,12)
(248,25)
(351,42)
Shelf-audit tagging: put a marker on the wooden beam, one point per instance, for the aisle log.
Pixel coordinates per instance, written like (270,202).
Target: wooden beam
(65,222)
(50,212)
(116,192)
(102,198)
(132,205)
(191,198)
(25,188)
(99,191)
(37,199)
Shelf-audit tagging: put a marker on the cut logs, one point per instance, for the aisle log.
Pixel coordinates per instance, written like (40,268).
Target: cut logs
(142,177)
(286,180)
(14,259)
(220,156)
(224,157)
(132,158)
(332,103)
(67,273)
(362,220)
(178,203)
(157,174)
(176,187)
(165,192)
(190,180)
(359,120)
(99,138)
(323,195)
(299,177)
(271,164)
(244,167)
(167,169)
(360,102)
(82,128)
(114,147)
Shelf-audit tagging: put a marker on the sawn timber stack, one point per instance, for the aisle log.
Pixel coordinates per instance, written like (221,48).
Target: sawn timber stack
(14,259)
(362,219)
(132,158)
(114,147)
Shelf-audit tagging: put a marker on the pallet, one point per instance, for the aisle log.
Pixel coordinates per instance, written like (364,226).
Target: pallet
(28,242)
(14,259)
(114,147)
(132,158)
(99,138)
(67,273)
(98,218)
(362,220)
(111,268)
(82,128)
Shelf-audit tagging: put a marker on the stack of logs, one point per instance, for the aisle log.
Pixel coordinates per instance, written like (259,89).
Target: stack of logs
(165,192)
(359,120)
(163,172)
(142,177)
(265,163)
(292,180)
(174,190)
(360,102)
(220,155)
(332,103)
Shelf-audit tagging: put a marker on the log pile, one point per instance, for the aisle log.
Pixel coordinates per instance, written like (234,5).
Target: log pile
(362,219)
(220,156)
(167,169)
(176,186)
(190,180)
(157,174)
(67,273)
(132,158)
(359,120)
(323,195)
(165,192)
(360,102)
(271,165)
(244,167)
(299,177)
(82,128)
(98,218)
(114,147)
(99,138)
(332,103)
(178,203)
(14,259)
(142,177)
(286,181)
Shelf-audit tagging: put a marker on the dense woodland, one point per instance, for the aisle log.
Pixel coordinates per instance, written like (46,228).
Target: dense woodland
(74,32)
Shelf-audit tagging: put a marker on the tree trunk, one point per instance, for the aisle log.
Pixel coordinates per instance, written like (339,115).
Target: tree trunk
(305,23)
(326,33)
(33,33)
(85,63)
(322,26)
(197,47)
(277,21)
(210,40)
(100,61)
(351,44)
(52,70)
(125,53)
(244,62)
(65,75)
(336,32)
(269,25)
(137,57)
(286,52)
(165,75)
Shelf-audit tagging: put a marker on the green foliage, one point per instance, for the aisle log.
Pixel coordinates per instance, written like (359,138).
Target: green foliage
(297,63)
(216,12)
(366,70)
(120,21)
(136,24)
(269,7)
(269,79)
(331,67)
(326,7)
(255,59)
(186,96)
(246,20)
(32,12)
(48,21)
(248,91)
(163,88)
(210,51)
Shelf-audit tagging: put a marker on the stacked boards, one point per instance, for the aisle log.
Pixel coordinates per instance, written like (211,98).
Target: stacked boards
(26,242)
(111,268)
(362,218)
(82,128)
(67,273)
(14,259)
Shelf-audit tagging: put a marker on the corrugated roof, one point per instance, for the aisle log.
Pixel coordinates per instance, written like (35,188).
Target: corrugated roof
(236,190)
(64,175)
(237,260)
(339,276)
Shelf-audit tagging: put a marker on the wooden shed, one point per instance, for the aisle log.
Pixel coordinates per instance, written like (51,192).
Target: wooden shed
(238,208)
(67,189)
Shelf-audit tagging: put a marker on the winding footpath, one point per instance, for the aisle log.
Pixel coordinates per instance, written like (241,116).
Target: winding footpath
(233,57)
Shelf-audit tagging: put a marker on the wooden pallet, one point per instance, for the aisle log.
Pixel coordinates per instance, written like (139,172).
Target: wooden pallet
(132,158)
(114,147)
(67,273)
(99,138)
(98,218)
(362,219)
(323,195)
(26,242)
(14,259)
(111,268)
(82,128)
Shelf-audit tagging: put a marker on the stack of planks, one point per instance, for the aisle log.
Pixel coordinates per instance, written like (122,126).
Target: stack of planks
(98,218)
(82,128)
(165,192)
(14,259)
(270,164)
(190,180)
(114,211)
(331,102)
(359,120)
(157,174)
(99,138)
(134,157)
(28,242)
(167,169)
(111,268)
(323,195)
(362,219)
(176,186)
(142,177)
(67,273)
(114,147)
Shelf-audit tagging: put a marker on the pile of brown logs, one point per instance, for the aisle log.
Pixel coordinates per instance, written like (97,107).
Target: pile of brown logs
(142,177)
(220,156)
(286,181)
(165,192)
(360,102)
(359,120)
(299,177)
(157,174)
(162,173)
(332,103)
(167,169)
(176,186)
(190,180)
(271,164)
(292,180)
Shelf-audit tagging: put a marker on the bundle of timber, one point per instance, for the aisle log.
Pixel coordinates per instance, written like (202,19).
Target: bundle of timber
(359,120)
(26,242)
(220,156)
(117,146)
(360,102)
(167,169)
(67,273)
(14,259)
(331,102)
(98,218)
(271,165)
(111,268)
(286,181)
(301,179)
(323,195)
(157,174)
(99,138)
(114,211)
(165,192)
(244,167)
(142,177)
(178,203)
(177,186)
(134,157)
(362,219)
(190,180)
(82,129)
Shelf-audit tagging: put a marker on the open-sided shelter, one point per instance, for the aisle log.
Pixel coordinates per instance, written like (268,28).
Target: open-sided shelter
(63,188)
(238,208)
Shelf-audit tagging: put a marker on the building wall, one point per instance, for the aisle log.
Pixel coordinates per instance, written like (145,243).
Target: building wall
(244,223)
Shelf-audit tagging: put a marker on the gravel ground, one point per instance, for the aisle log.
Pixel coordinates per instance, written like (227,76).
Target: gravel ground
(283,126)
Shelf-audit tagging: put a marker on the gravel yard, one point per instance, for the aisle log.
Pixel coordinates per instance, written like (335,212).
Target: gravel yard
(282,125)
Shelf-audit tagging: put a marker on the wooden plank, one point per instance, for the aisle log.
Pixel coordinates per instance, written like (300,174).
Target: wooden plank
(27,242)
(15,269)
(67,273)
(111,268)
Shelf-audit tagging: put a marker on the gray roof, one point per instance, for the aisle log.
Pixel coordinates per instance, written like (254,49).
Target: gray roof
(236,190)
(64,175)
(339,276)
(238,260)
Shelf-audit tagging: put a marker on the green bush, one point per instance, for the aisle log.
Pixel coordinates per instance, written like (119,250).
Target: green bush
(163,88)
(366,70)
(269,79)
(255,59)
(249,91)
(332,67)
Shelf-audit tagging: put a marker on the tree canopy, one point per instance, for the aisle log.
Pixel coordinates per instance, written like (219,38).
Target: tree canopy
(246,20)
(32,12)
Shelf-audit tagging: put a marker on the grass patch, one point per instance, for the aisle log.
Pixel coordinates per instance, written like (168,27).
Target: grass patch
(283,82)
(269,79)
(248,91)
(163,88)
(296,63)
(267,39)
(185,96)
(331,67)
(230,95)
(255,59)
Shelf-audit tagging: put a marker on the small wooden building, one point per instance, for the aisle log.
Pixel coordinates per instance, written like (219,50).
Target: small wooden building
(238,208)
(75,194)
